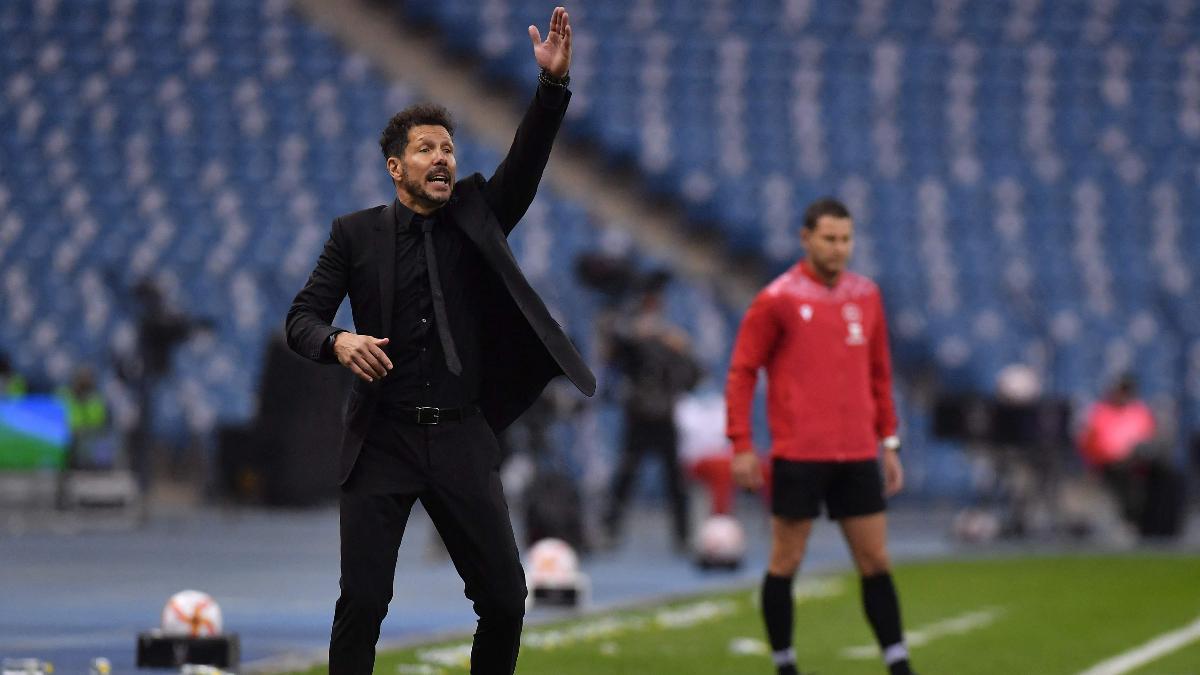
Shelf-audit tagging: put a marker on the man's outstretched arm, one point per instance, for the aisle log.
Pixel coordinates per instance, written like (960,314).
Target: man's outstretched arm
(511,189)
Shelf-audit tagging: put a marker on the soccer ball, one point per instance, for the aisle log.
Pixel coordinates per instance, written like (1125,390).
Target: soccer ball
(722,542)
(553,575)
(191,614)
(552,562)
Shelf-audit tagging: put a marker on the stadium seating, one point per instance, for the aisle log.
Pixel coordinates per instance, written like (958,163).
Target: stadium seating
(1023,172)
(208,144)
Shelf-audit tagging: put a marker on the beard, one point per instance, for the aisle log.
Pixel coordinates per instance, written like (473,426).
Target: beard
(417,188)
(827,267)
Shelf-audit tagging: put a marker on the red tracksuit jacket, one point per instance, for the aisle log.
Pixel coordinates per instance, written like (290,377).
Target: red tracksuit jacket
(829,376)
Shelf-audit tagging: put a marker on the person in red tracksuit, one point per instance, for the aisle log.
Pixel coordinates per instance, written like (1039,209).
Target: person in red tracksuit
(820,332)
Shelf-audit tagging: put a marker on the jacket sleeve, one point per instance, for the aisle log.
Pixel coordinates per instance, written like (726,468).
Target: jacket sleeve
(881,375)
(756,339)
(310,317)
(511,189)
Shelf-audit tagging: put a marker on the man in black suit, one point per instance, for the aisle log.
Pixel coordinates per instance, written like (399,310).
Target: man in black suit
(452,345)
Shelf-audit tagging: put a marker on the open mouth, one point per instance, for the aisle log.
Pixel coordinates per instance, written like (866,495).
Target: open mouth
(439,178)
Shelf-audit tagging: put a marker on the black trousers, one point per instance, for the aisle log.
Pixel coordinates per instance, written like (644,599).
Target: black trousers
(649,437)
(453,468)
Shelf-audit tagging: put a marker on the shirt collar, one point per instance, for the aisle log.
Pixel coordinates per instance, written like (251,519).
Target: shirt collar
(807,270)
(408,220)
(404,216)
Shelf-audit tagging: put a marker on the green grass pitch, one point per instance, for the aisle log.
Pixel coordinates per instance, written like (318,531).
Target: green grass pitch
(1035,616)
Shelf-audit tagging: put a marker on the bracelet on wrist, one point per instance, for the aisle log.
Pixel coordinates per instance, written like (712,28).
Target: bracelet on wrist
(549,80)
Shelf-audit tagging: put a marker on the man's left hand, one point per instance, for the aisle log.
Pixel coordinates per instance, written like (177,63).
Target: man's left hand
(893,473)
(553,54)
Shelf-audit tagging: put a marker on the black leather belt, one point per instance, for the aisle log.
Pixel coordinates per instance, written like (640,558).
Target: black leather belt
(427,415)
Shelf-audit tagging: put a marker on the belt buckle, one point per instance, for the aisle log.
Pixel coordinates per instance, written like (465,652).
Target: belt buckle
(427,415)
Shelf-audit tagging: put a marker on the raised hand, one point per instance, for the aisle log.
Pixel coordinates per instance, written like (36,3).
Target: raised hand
(554,53)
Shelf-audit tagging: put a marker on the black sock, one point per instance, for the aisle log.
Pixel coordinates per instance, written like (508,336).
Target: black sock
(883,612)
(777,614)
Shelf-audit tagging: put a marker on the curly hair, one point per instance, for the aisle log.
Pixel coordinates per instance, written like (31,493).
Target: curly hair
(395,136)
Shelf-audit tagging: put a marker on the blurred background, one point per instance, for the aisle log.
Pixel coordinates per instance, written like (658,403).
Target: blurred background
(1024,177)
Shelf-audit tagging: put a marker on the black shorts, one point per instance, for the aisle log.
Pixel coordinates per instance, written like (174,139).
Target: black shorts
(847,489)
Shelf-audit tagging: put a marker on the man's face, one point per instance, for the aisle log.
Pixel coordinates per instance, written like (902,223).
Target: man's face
(829,245)
(425,174)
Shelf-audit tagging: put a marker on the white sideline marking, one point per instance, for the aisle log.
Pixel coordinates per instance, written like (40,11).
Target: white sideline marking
(458,655)
(1158,647)
(590,630)
(955,625)
(418,669)
(818,588)
(748,646)
(807,590)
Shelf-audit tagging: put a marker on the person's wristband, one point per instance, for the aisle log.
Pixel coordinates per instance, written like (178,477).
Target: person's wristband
(549,80)
(892,443)
(332,339)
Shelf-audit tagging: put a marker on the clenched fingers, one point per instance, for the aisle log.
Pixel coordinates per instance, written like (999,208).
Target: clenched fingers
(358,372)
(369,363)
(381,356)
(746,472)
(364,356)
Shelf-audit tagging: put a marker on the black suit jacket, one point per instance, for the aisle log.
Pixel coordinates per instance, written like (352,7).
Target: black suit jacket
(523,346)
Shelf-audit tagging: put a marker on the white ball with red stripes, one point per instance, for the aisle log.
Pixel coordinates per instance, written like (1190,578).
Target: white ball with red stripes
(191,614)
(552,562)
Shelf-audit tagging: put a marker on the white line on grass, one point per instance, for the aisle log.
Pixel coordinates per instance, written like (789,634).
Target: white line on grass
(595,629)
(817,588)
(955,625)
(1158,647)
(807,590)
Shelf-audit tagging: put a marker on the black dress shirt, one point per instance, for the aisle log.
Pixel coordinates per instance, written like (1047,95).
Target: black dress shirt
(419,376)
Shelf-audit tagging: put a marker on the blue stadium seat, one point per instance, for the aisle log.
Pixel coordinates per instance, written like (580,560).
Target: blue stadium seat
(216,164)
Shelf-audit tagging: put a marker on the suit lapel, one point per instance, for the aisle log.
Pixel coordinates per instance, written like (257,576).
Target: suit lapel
(480,225)
(475,220)
(385,258)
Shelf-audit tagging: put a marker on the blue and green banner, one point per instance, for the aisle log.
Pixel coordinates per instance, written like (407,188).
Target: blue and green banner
(34,433)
